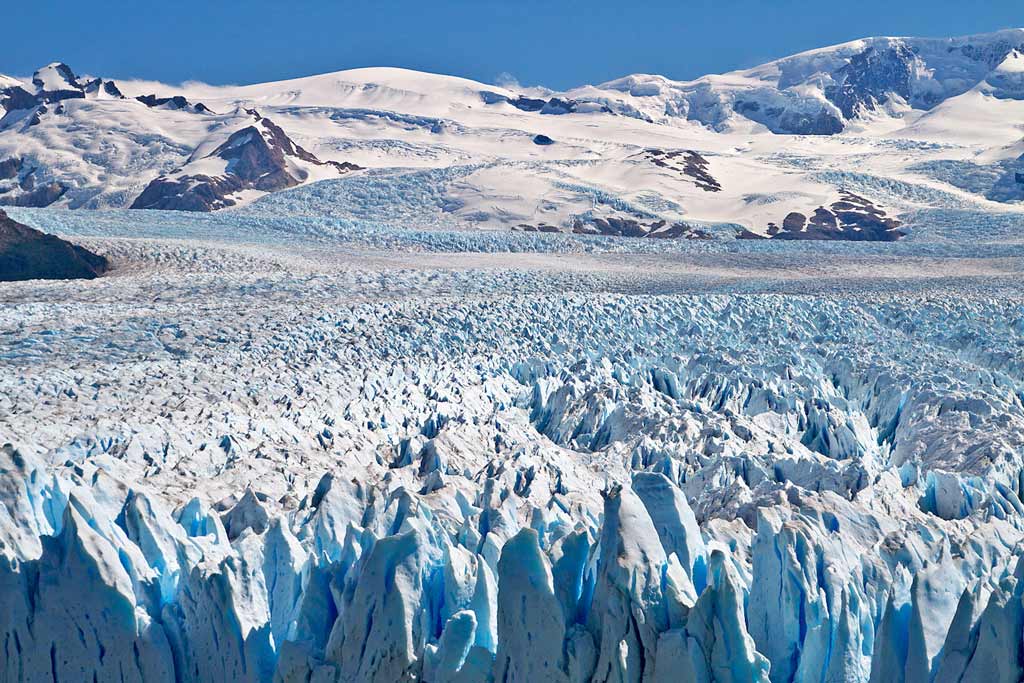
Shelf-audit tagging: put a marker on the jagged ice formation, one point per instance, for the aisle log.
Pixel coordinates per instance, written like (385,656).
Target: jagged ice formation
(275,472)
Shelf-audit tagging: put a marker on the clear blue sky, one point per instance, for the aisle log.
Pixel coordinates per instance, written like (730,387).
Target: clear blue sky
(558,44)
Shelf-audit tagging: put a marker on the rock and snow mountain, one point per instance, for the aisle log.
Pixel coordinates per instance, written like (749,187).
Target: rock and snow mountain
(824,91)
(259,157)
(315,430)
(902,123)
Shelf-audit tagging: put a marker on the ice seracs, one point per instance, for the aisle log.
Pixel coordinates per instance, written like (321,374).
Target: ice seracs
(329,433)
(768,511)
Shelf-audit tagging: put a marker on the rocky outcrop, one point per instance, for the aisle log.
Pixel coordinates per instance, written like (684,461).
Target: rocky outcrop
(619,226)
(796,121)
(686,163)
(28,254)
(51,85)
(177,102)
(15,97)
(852,218)
(552,105)
(56,82)
(258,157)
(98,87)
(871,78)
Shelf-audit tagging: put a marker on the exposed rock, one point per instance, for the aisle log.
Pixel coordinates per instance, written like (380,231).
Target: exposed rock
(618,226)
(687,163)
(9,168)
(542,140)
(99,87)
(803,123)
(553,105)
(258,157)
(28,191)
(28,254)
(852,218)
(56,82)
(871,78)
(540,227)
(745,234)
(790,121)
(173,102)
(37,196)
(15,97)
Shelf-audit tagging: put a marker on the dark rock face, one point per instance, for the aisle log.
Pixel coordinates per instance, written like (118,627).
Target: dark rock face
(256,160)
(687,163)
(16,97)
(173,102)
(176,102)
(9,168)
(67,86)
(788,121)
(36,196)
(992,55)
(542,140)
(28,254)
(54,84)
(852,218)
(871,77)
(615,226)
(800,123)
(540,227)
(190,193)
(527,103)
(98,85)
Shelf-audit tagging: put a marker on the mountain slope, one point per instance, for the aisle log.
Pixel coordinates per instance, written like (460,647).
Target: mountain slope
(259,157)
(824,91)
(884,119)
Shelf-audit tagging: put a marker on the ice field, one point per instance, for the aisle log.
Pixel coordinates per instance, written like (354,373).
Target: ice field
(385,457)
(411,423)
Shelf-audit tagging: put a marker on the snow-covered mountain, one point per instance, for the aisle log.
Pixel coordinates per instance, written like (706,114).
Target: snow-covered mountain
(824,91)
(775,143)
(259,157)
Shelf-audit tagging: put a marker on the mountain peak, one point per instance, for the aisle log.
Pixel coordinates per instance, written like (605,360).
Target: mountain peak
(258,157)
(1014,62)
(55,77)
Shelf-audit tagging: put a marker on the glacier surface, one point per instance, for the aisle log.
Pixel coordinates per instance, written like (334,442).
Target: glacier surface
(410,423)
(257,454)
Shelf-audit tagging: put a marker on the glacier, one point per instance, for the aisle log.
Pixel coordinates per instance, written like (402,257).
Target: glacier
(410,422)
(242,463)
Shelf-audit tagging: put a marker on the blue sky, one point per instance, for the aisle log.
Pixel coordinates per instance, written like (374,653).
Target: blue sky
(558,44)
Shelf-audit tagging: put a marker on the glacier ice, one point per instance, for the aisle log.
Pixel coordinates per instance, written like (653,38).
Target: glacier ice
(252,464)
(376,429)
